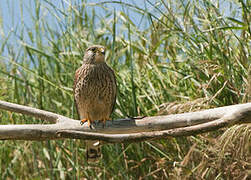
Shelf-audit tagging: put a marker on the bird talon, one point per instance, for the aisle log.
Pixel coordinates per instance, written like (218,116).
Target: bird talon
(88,121)
(83,121)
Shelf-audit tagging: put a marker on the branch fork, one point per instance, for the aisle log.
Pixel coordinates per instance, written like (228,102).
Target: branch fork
(123,130)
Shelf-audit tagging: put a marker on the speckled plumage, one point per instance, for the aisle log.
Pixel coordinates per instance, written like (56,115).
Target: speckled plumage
(95,91)
(94,87)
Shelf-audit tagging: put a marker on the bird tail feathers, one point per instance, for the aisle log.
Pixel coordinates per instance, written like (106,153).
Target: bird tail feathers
(93,151)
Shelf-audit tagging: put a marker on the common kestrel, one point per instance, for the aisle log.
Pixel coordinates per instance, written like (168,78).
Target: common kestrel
(94,91)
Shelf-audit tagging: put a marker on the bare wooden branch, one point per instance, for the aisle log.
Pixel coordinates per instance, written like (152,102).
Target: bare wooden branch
(235,117)
(123,130)
(45,115)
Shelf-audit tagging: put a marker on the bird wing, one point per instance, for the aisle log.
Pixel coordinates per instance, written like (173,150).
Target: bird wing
(115,87)
(76,79)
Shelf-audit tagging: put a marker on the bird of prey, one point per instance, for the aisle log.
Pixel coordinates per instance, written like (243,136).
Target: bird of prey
(94,92)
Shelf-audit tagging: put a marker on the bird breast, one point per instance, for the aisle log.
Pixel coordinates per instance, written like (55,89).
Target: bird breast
(95,91)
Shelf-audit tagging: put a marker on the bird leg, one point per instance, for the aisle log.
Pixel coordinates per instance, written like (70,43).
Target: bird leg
(88,120)
(85,120)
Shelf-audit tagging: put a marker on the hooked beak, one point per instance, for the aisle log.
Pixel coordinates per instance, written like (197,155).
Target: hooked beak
(102,50)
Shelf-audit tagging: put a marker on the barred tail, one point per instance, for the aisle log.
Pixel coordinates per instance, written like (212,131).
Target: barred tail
(93,151)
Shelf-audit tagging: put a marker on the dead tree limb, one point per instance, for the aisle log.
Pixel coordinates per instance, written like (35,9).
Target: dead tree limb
(123,130)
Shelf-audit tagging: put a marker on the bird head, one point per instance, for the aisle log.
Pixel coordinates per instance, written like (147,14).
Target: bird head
(94,55)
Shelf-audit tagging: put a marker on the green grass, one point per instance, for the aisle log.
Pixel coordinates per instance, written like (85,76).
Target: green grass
(191,57)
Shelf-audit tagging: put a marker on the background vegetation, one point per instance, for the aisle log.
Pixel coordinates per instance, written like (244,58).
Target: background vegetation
(190,55)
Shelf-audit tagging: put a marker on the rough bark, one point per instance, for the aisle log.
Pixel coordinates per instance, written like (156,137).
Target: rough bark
(123,130)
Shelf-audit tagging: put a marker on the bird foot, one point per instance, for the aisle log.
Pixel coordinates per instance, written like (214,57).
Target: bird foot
(89,122)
